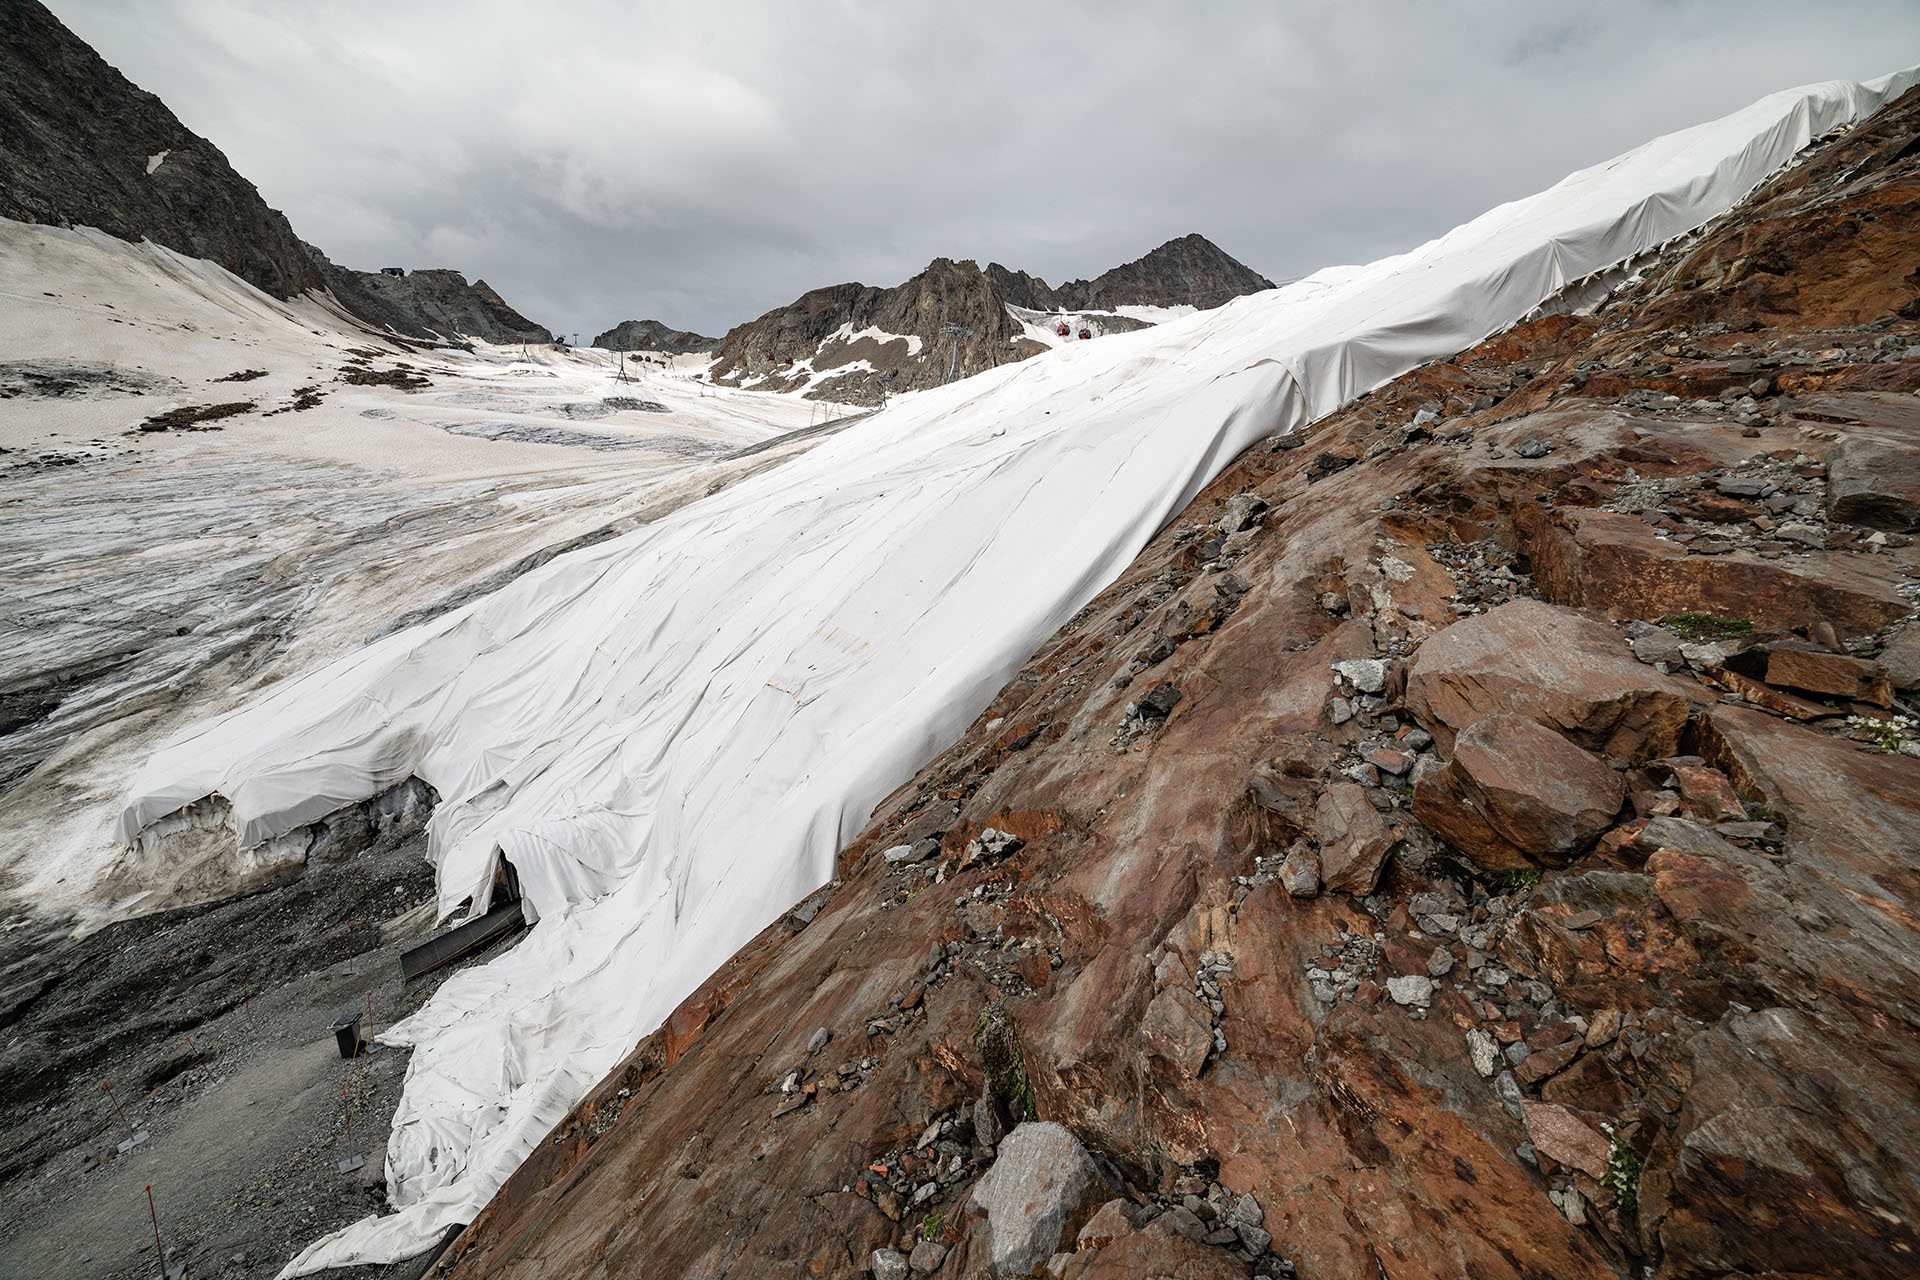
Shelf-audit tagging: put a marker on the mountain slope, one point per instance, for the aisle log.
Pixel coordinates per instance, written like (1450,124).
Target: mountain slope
(81,145)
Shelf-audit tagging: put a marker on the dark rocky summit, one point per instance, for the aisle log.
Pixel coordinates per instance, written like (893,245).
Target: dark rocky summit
(1476,838)
(826,329)
(436,304)
(652,335)
(82,146)
(1191,272)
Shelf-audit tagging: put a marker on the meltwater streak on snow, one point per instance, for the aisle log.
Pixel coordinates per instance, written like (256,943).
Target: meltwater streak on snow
(671,734)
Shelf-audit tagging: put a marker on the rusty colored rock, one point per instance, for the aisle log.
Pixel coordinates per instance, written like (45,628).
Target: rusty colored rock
(1354,839)
(1108,1224)
(1708,793)
(1775,700)
(1158,1250)
(1177,1029)
(1614,564)
(1537,1066)
(1838,675)
(1514,787)
(1563,669)
(1560,1133)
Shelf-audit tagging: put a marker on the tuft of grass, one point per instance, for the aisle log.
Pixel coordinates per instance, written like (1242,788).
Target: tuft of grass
(1702,628)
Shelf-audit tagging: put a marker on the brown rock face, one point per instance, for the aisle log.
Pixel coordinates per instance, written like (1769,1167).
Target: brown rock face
(1615,564)
(1176,1029)
(1554,666)
(1516,793)
(1832,673)
(1559,1133)
(1737,1007)
(1354,840)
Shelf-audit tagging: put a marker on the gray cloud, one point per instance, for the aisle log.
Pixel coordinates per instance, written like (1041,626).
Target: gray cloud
(701,162)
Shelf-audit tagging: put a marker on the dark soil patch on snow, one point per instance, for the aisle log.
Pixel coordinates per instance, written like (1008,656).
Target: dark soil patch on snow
(190,417)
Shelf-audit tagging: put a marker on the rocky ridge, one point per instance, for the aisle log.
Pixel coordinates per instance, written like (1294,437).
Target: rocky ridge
(1476,838)
(82,146)
(652,335)
(856,343)
(435,304)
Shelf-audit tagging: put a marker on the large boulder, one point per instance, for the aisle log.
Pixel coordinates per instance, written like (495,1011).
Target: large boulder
(1516,794)
(1354,839)
(1840,675)
(1901,658)
(1875,484)
(1041,1187)
(1176,1028)
(1555,666)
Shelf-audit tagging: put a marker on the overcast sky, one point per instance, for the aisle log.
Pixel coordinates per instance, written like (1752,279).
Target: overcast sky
(703,162)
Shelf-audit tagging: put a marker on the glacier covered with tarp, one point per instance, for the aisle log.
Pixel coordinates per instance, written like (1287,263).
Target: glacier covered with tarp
(671,734)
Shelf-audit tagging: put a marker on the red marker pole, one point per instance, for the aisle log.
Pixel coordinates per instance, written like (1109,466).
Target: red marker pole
(116,1107)
(347,1108)
(158,1253)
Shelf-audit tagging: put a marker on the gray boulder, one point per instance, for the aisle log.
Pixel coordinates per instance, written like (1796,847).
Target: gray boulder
(1039,1190)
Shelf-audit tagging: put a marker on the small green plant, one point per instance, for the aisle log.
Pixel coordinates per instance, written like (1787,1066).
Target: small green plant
(930,1226)
(1623,1174)
(1513,883)
(1004,1059)
(1889,734)
(1700,628)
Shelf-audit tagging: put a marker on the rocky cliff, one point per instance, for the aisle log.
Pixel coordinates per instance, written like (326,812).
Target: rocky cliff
(436,304)
(82,146)
(857,343)
(652,335)
(1477,838)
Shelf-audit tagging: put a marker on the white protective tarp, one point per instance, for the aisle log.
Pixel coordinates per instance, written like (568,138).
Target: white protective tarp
(671,734)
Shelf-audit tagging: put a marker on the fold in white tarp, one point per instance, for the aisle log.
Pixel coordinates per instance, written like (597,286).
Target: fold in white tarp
(671,734)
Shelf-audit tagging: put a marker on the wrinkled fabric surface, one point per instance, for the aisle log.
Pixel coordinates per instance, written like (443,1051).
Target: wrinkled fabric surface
(671,734)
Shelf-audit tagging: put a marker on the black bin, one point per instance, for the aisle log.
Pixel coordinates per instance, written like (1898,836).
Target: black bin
(347,1035)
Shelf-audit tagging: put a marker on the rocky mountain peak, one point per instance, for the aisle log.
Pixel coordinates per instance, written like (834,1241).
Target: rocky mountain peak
(1191,271)
(80,145)
(654,335)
